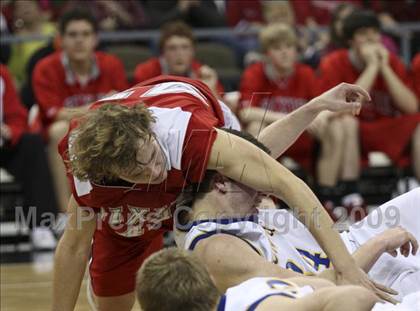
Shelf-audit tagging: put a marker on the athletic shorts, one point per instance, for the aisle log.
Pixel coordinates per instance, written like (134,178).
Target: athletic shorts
(302,151)
(115,261)
(391,136)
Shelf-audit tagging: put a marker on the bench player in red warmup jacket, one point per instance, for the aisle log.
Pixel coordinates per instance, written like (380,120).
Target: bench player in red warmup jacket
(131,156)
(391,122)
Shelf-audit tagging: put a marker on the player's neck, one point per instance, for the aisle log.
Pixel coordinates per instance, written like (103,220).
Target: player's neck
(82,67)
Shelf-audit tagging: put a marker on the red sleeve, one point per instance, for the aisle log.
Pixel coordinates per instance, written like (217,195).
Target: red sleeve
(400,70)
(47,91)
(147,70)
(120,82)
(15,114)
(250,87)
(415,71)
(85,200)
(198,142)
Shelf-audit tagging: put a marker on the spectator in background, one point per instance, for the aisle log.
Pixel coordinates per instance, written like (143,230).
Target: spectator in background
(391,121)
(23,155)
(176,46)
(280,84)
(337,39)
(66,82)
(28,19)
(195,13)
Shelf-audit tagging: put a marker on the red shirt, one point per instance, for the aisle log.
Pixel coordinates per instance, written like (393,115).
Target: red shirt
(415,71)
(56,86)
(13,113)
(153,68)
(337,67)
(186,113)
(258,89)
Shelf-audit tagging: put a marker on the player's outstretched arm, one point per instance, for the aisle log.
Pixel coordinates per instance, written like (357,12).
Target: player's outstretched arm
(71,257)
(242,161)
(388,241)
(343,298)
(343,98)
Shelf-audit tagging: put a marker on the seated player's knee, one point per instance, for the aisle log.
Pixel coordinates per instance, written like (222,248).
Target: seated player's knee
(351,124)
(57,131)
(336,132)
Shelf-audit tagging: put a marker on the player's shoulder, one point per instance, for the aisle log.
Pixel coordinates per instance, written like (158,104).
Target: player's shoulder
(304,70)
(50,63)
(255,69)
(335,58)
(415,65)
(148,69)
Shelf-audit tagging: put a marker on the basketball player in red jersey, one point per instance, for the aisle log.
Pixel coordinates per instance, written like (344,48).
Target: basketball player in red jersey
(130,157)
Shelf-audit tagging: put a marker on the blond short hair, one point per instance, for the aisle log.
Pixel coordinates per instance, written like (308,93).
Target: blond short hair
(107,140)
(174,279)
(276,34)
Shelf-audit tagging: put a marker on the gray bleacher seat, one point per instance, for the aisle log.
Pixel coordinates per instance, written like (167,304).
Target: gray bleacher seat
(130,55)
(221,58)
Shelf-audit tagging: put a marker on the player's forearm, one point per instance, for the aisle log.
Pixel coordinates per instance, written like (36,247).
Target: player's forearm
(70,113)
(69,268)
(310,211)
(281,134)
(368,254)
(403,97)
(368,77)
(253,114)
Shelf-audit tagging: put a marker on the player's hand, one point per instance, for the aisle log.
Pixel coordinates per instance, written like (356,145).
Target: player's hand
(398,238)
(369,54)
(359,277)
(344,98)
(382,54)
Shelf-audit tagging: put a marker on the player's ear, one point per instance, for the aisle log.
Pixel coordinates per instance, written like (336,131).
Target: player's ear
(221,183)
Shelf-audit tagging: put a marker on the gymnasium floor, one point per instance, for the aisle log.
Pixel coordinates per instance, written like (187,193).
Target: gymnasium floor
(28,286)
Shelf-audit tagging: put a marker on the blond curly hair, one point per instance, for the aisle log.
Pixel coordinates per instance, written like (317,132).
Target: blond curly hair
(107,140)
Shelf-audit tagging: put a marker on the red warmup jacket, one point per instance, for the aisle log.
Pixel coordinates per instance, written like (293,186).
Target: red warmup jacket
(56,86)
(14,114)
(415,71)
(336,68)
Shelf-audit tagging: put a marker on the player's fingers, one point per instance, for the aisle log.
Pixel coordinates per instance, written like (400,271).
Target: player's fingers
(384,288)
(386,297)
(414,244)
(358,89)
(393,253)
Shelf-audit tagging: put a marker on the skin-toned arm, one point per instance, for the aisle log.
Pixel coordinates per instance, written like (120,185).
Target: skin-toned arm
(259,171)
(403,97)
(343,298)
(222,252)
(252,114)
(343,98)
(388,241)
(70,113)
(370,72)
(71,257)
